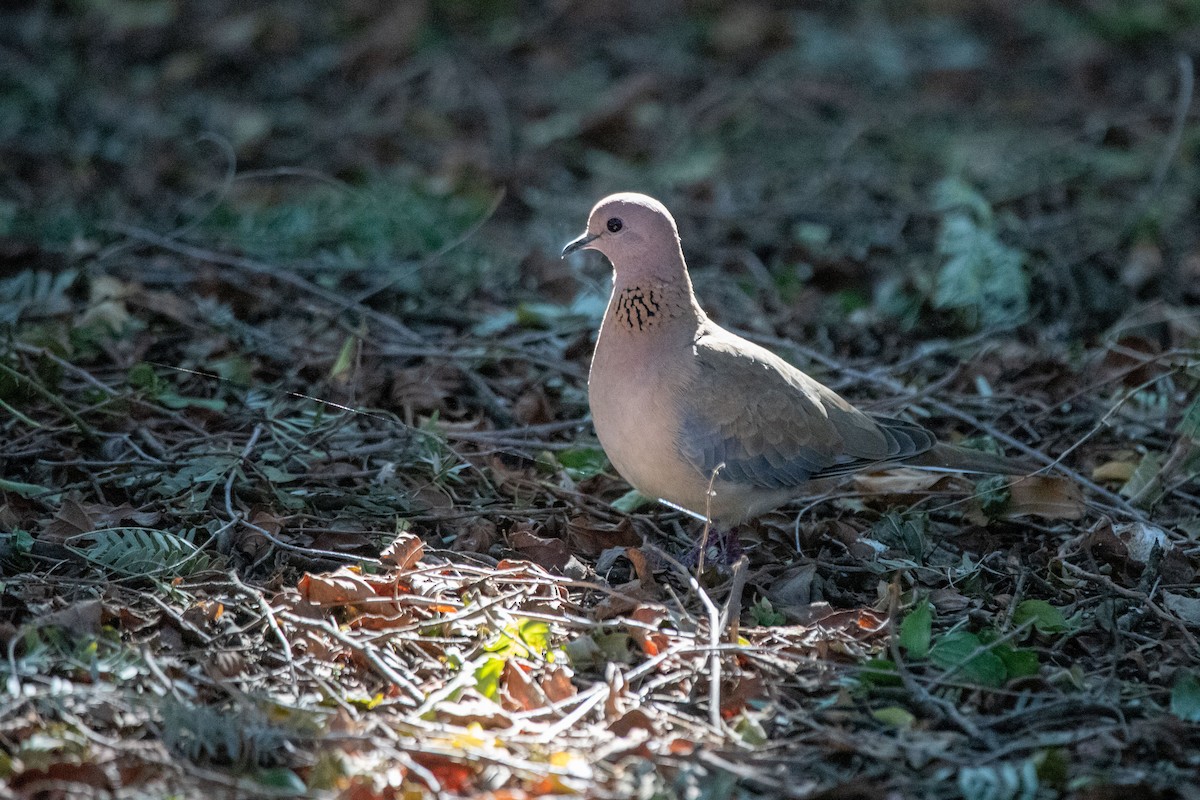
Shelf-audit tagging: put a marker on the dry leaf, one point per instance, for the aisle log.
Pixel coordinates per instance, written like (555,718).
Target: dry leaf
(552,554)
(1115,471)
(898,481)
(1046,496)
(647,635)
(590,538)
(341,587)
(634,719)
(518,692)
(404,552)
(82,618)
(473,709)
(556,684)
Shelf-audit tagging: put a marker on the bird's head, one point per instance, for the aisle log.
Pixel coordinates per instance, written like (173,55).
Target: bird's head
(634,231)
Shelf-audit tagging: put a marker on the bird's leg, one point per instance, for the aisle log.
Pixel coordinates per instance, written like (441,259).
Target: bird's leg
(718,546)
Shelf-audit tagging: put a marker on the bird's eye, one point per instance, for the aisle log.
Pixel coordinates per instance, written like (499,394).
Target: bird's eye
(615,225)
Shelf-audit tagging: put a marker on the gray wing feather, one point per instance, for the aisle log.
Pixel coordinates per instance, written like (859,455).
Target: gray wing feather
(773,427)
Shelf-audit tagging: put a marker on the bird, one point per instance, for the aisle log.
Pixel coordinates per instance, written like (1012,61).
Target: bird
(706,421)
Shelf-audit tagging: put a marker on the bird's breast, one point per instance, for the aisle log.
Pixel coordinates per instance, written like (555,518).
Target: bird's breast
(634,392)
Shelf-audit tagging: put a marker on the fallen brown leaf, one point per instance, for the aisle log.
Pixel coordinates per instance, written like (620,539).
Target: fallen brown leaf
(404,552)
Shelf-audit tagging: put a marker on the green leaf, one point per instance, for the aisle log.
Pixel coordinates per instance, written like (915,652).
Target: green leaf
(631,501)
(904,531)
(140,552)
(583,462)
(980,275)
(916,629)
(175,402)
(894,716)
(994,495)
(954,650)
(26,490)
(1189,426)
(1018,662)
(1145,484)
(536,634)
(879,672)
(281,778)
(1046,618)
(765,614)
(345,359)
(142,376)
(751,730)
(487,677)
(19,542)
(1185,696)
(1001,781)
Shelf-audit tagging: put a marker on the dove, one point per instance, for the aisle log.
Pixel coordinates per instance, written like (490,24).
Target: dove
(706,421)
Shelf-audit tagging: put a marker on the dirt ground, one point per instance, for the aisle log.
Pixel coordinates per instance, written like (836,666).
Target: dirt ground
(298,493)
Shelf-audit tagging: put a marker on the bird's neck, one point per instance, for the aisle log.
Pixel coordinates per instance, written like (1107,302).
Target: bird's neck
(653,303)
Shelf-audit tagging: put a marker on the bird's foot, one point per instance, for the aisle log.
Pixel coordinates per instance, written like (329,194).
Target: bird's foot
(720,548)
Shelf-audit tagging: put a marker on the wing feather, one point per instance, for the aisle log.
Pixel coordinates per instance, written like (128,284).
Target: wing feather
(769,425)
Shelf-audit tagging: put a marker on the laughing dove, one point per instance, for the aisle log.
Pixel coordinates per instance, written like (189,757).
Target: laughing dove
(682,406)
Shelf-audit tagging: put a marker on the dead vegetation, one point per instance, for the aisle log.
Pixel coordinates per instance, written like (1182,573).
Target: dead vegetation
(297,491)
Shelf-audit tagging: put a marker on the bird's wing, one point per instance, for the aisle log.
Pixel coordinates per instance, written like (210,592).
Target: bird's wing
(772,426)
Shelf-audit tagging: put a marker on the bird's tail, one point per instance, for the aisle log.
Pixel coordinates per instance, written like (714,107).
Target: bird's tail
(950,458)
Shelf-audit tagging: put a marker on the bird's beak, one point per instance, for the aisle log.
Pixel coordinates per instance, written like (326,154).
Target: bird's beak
(580,243)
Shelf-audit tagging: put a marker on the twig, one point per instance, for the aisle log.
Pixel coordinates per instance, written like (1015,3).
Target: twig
(50,397)
(365,649)
(1183,104)
(1141,597)
(272,623)
(714,638)
(732,614)
(922,696)
(708,520)
(262,268)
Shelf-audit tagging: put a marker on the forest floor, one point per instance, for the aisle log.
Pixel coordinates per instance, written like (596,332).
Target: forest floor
(298,492)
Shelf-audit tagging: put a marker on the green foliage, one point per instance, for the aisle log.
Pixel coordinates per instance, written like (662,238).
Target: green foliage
(1189,425)
(905,531)
(1145,486)
(434,454)
(1137,22)
(378,227)
(980,276)
(878,672)
(53,650)
(632,501)
(15,545)
(31,293)
(28,490)
(765,614)
(522,639)
(583,462)
(281,779)
(917,629)
(994,495)
(894,716)
(1004,781)
(141,552)
(487,677)
(1045,617)
(962,652)
(143,377)
(1185,696)
(241,734)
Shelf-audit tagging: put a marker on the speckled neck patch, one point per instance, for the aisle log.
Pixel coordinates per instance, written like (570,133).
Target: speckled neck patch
(643,305)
